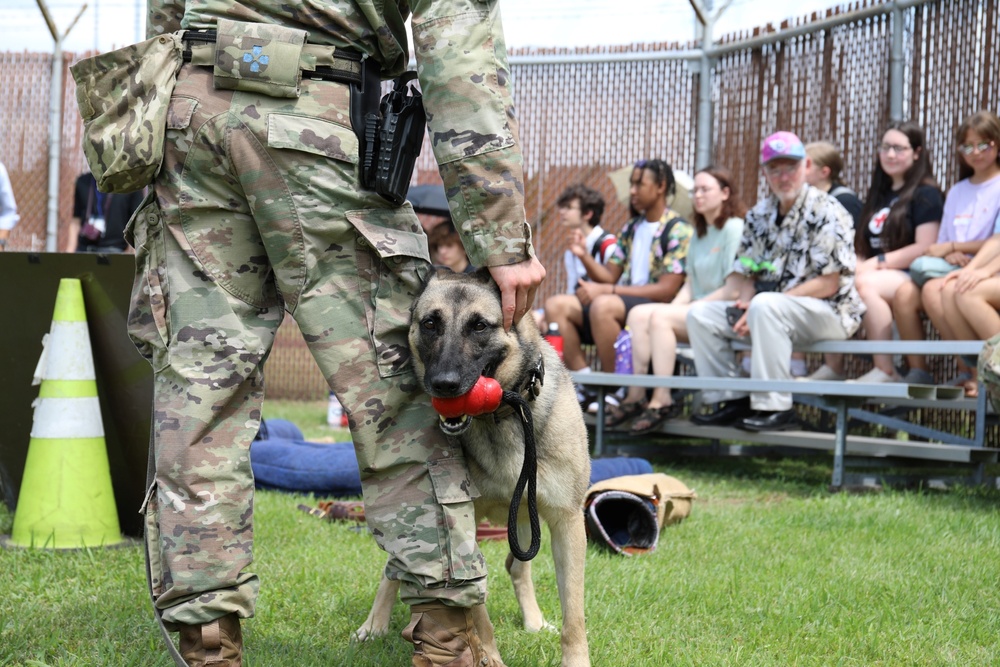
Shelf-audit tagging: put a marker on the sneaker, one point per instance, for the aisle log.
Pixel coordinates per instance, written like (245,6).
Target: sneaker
(609,399)
(823,374)
(918,376)
(876,375)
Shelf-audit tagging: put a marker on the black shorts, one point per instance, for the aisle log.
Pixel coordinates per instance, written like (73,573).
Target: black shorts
(587,335)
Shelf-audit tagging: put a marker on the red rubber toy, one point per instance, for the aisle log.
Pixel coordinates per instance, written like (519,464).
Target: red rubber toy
(483,398)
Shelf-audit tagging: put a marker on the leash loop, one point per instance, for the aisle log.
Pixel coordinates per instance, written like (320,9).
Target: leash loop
(528,478)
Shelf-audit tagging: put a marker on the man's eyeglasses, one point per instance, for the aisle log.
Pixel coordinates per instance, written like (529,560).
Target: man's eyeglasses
(969,149)
(785,169)
(885,149)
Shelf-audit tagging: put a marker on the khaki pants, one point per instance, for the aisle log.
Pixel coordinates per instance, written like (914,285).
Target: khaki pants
(256,211)
(777,321)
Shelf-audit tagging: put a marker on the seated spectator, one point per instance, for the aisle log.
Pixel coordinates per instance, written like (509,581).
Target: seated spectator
(824,174)
(971,216)
(797,243)
(446,248)
(975,289)
(657,327)
(588,245)
(648,265)
(827,163)
(900,221)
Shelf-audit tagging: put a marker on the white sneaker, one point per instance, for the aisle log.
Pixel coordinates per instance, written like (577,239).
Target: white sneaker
(823,374)
(877,375)
(609,399)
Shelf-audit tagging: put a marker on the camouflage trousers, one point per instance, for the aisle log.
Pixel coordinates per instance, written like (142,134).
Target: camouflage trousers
(257,210)
(989,370)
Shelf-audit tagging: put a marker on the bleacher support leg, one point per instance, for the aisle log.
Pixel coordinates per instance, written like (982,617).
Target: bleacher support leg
(599,426)
(840,445)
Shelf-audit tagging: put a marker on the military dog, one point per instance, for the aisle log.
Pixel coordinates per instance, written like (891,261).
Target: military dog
(457,335)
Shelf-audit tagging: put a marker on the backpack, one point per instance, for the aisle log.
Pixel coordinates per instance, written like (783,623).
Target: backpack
(841,190)
(601,244)
(672,219)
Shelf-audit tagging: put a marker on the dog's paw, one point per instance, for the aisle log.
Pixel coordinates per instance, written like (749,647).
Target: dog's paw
(366,632)
(541,626)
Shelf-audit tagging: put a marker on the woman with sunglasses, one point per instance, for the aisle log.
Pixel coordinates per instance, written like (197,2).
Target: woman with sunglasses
(971,216)
(899,221)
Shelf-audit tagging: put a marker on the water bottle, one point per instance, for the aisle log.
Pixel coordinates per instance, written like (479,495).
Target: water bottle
(334,412)
(555,339)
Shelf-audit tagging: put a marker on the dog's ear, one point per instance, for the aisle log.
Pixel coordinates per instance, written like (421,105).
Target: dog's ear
(484,277)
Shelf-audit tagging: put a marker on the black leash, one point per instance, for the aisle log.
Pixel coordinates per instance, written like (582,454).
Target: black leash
(529,472)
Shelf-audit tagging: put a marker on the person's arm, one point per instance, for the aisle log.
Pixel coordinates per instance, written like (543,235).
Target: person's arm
(467,93)
(901,258)
(821,287)
(663,290)
(73,235)
(587,290)
(597,271)
(163,17)
(737,287)
(985,264)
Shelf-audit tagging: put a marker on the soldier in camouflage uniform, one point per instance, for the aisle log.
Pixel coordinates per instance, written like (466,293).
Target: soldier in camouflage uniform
(258,210)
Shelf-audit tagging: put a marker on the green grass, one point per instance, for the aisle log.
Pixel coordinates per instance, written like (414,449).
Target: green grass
(770,569)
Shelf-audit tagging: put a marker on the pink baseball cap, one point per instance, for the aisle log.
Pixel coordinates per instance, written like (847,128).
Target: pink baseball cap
(782,145)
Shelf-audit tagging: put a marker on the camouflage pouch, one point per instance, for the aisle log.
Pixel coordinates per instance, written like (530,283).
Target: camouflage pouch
(123,98)
(258,58)
(989,370)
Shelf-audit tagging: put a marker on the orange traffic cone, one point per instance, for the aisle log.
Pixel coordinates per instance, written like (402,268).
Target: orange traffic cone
(66,500)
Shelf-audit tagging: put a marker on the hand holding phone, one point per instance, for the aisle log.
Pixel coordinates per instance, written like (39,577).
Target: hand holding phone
(733,314)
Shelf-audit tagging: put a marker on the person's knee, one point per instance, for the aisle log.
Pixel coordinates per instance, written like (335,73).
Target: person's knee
(605,309)
(555,307)
(663,319)
(697,314)
(765,305)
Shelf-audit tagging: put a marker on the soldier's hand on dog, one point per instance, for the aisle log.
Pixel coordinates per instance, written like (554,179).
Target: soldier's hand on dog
(518,284)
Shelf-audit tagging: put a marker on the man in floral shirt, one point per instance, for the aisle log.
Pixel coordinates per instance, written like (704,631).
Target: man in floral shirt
(794,281)
(647,266)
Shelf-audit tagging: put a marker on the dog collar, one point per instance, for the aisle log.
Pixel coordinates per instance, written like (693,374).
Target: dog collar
(529,390)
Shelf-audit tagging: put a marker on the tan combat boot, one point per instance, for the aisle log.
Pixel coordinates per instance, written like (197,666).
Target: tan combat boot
(215,644)
(445,636)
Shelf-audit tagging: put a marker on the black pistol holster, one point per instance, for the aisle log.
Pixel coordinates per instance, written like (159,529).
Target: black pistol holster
(391,140)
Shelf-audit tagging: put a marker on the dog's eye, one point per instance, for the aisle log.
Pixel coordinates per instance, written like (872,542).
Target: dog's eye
(480,326)
(428,323)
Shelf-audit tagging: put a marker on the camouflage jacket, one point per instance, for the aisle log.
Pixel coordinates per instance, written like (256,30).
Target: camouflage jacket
(464,77)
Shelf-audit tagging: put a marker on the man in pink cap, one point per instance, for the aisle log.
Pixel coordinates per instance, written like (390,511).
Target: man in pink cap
(792,283)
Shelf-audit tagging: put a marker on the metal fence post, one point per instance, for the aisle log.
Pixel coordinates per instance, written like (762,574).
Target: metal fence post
(896,66)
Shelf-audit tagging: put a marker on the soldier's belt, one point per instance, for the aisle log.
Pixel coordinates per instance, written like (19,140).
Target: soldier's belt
(269,59)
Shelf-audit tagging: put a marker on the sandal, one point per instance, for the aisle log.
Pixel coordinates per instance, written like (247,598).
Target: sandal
(651,418)
(616,414)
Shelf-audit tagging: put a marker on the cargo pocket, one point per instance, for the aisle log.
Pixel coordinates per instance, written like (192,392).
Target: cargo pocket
(312,135)
(392,264)
(454,492)
(148,321)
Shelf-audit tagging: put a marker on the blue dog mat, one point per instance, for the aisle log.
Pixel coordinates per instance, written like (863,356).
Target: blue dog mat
(282,459)
(602,469)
